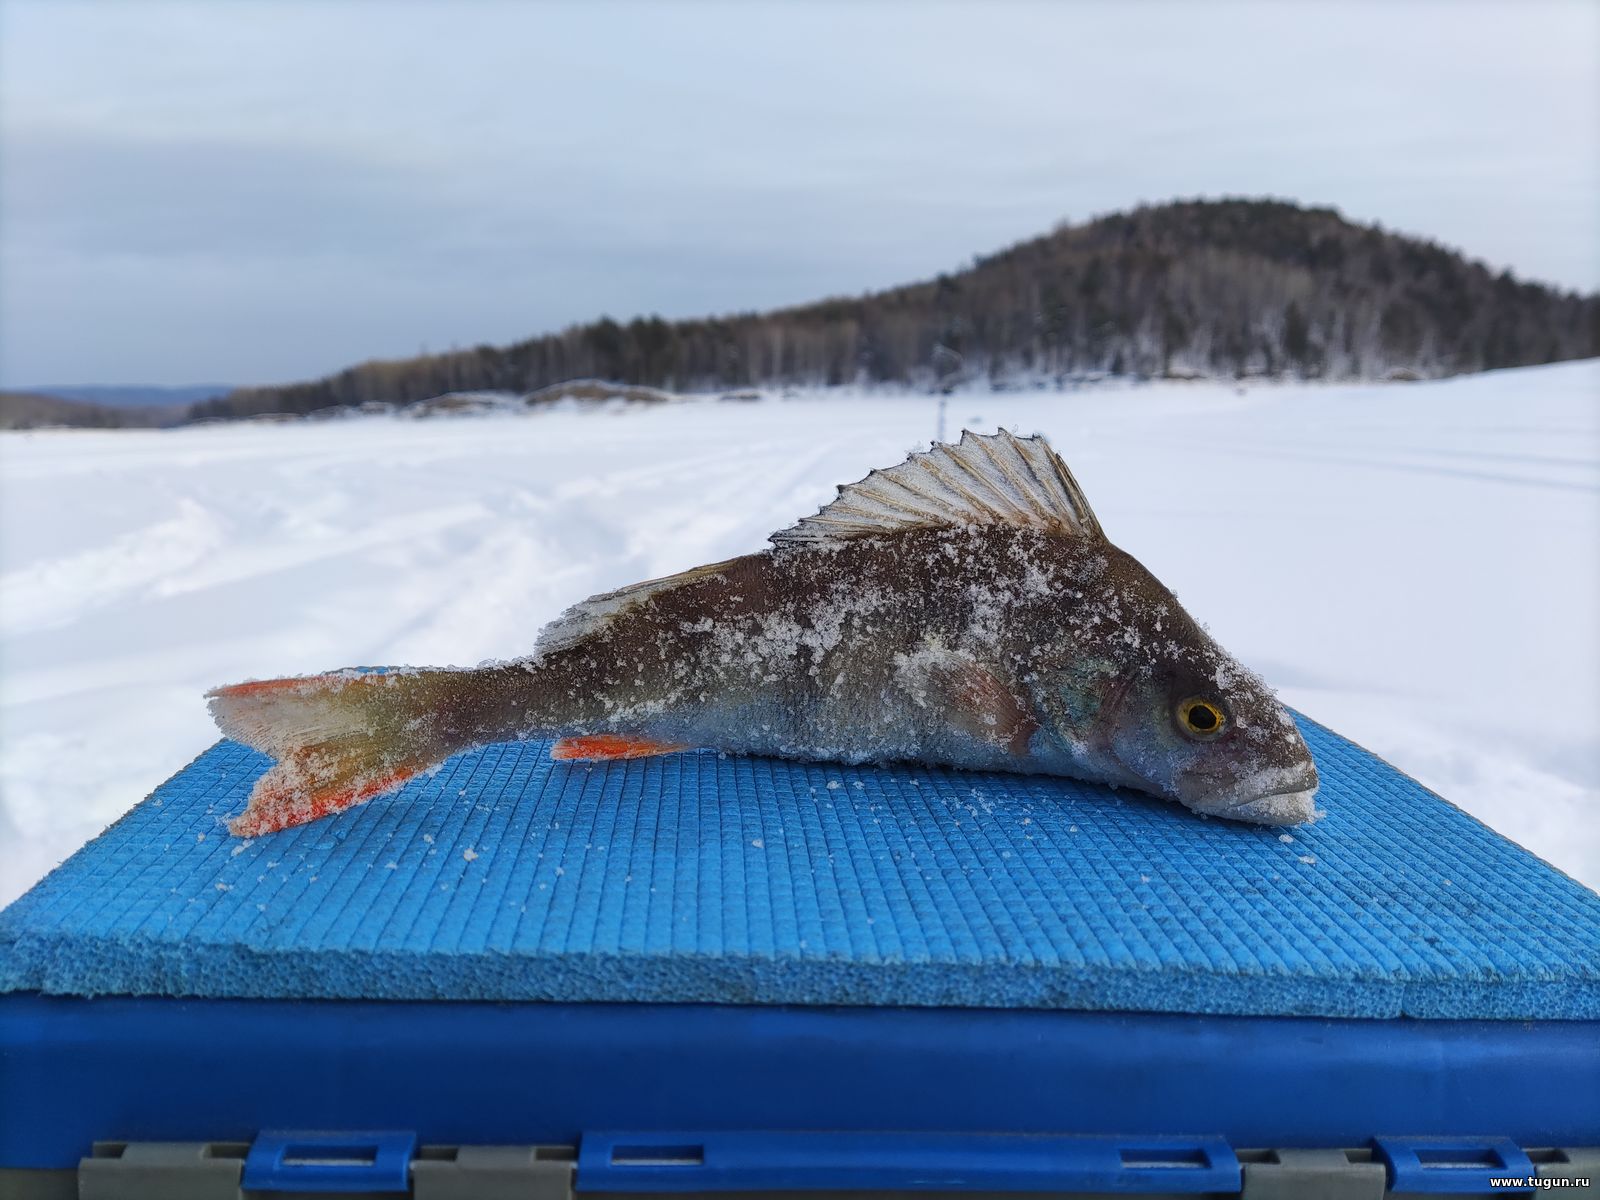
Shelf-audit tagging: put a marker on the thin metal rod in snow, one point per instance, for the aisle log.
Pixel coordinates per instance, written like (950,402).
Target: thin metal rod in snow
(947,366)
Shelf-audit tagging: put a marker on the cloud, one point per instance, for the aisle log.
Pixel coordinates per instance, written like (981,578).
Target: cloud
(279,189)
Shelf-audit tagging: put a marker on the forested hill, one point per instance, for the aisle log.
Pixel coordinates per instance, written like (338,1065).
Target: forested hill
(1228,288)
(35,410)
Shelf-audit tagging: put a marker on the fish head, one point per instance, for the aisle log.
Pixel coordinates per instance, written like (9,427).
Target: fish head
(1145,698)
(1211,735)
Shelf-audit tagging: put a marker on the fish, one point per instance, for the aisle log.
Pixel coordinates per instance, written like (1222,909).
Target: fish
(963,608)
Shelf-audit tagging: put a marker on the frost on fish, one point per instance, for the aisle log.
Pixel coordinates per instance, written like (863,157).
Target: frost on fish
(963,608)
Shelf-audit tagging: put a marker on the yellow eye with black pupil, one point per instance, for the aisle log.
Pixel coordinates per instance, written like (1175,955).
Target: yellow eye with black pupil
(1200,718)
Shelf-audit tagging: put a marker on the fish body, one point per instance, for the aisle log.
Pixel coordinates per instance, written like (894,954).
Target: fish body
(962,609)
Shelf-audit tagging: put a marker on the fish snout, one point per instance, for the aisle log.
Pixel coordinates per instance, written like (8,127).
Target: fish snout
(1275,808)
(1274,797)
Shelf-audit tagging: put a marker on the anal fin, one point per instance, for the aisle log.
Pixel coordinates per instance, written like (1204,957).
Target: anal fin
(601,747)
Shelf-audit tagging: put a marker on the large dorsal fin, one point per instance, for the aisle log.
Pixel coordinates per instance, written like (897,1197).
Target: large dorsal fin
(986,479)
(595,613)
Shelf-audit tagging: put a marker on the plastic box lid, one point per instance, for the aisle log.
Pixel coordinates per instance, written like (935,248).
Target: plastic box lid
(705,878)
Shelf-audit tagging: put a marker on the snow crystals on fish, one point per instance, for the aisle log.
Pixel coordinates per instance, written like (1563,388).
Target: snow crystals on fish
(963,608)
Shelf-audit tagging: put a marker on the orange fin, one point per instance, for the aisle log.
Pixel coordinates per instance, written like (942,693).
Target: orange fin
(292,793)
(263,687)
(339,738)
(602,746)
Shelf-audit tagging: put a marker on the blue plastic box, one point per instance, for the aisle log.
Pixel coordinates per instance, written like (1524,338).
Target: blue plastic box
(772,975)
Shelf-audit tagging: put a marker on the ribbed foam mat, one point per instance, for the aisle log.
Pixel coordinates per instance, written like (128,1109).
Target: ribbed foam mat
(702,877)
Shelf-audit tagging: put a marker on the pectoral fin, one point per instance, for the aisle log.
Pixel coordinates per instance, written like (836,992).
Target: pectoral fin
(970,697)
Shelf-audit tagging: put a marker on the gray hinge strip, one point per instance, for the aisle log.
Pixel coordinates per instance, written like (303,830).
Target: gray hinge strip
(212,1171)
(494,1173)
(1313,1175)
(162,1171)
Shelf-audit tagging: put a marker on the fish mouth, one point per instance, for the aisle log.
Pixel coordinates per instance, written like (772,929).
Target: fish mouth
(1291,806)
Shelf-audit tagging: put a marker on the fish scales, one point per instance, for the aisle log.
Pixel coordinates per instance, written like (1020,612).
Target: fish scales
(963,608)
(805,642)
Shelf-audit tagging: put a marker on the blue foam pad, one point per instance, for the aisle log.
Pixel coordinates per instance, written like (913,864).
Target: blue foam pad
(702,877)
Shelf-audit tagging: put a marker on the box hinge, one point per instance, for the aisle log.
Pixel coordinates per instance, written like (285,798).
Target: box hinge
(1312,1175)
(357,1163)
(1570,1165)
(162,1171)
(794,1161)
(319,1163)
(1453,1165)
(493,1173)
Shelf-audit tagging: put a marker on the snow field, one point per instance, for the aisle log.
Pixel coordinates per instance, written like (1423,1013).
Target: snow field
(1417,566)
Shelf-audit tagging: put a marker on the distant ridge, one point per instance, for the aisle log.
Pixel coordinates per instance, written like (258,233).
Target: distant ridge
(1221,288)
(129,395)
(36,410)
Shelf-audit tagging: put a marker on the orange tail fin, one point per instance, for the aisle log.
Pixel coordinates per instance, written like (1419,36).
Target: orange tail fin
(339,739)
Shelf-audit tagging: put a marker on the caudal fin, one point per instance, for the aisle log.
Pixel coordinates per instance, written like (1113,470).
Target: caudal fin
(339,739)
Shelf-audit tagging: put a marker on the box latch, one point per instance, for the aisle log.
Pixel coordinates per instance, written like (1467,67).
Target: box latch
(330,1161)
(1453,1165)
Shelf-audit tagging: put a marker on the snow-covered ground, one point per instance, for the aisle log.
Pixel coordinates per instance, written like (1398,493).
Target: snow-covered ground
(1416,565)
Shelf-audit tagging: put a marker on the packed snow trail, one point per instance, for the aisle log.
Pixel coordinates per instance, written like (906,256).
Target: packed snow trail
(1414,565)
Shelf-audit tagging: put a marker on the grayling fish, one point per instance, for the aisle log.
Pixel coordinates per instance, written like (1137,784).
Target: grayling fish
(963,608)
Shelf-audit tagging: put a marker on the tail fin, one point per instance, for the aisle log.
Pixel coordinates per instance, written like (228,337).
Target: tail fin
(339,739)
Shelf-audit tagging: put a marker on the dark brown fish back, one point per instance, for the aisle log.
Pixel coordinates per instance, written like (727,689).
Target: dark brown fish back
(804,644)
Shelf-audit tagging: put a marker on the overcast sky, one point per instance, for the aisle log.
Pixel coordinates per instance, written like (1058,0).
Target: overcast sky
(263,192)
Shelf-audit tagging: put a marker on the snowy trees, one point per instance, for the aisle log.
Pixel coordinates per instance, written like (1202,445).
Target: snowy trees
(1221,288)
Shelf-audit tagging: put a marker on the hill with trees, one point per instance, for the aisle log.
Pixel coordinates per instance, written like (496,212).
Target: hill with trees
(1226,288)
(133,396)
(37,410)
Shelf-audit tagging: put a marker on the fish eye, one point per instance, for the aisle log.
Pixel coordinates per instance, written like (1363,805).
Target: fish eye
(1201,719)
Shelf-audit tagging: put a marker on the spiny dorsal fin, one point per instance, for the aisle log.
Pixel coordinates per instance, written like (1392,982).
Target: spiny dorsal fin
(986,479)
(595,613)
